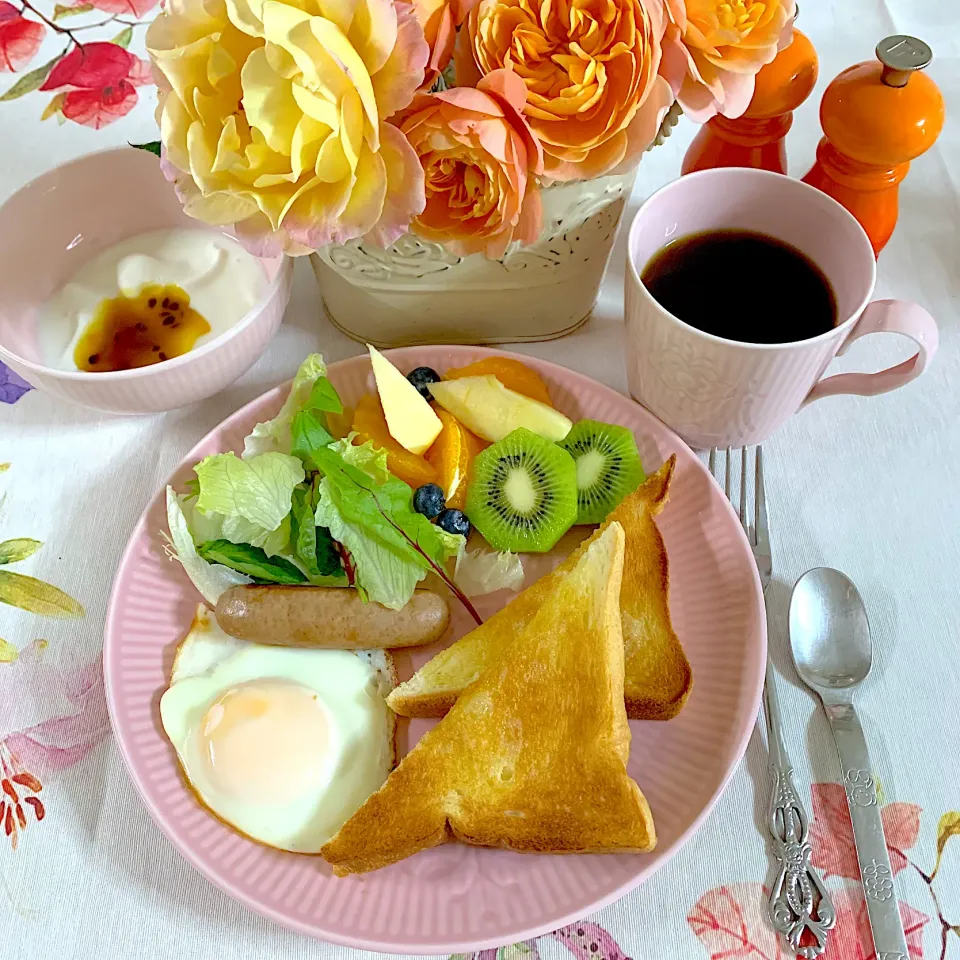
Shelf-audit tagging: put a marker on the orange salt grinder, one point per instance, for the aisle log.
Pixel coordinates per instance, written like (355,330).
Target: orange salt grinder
(877,116)
(755,139)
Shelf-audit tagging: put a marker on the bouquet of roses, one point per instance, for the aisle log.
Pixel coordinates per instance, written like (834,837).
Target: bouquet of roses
(302,123)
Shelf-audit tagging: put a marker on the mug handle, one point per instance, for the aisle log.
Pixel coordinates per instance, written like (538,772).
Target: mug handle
(884,316)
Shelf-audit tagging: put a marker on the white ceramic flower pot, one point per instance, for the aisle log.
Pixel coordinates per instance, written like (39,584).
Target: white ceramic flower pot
(418,292)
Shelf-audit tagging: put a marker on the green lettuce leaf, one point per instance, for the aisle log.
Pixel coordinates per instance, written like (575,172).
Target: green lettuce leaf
(365,456)
(312,545)
(371,513)
(258,490)
(251,561)
(324,397)
(382,574)
(211,579)
(216,526)
(273,436)
(308,433)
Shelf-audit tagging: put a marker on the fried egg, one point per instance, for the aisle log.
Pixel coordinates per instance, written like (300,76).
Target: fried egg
(282,743)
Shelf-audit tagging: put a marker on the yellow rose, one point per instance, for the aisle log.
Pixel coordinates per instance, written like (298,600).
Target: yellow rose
(272,117)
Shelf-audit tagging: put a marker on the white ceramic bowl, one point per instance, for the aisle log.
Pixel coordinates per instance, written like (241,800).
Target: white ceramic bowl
(64,218)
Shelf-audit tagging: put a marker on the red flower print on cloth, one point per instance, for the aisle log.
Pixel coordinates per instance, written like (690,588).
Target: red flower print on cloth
(134,9)
(731,922)
(19,38)
(100,80)
(832,833)
(31,752)
(851,939)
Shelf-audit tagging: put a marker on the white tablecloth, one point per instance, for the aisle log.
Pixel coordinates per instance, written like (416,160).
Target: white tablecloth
(866,485)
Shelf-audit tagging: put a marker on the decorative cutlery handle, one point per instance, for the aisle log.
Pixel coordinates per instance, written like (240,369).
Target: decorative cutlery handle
(871,844)
(799,901)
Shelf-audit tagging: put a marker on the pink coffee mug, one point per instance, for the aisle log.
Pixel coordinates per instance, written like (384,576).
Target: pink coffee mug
(716,392)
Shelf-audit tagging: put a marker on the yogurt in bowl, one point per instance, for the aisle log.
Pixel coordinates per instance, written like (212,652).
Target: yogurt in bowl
(111,297)
(148,299)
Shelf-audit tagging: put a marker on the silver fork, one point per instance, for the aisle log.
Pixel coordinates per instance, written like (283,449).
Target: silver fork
(799,900)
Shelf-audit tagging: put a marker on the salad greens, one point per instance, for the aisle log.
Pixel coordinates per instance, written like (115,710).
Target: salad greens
(211,579)
(370,512)
(274,435)
(252,561)
(258,489)
(313,545)
(301,507)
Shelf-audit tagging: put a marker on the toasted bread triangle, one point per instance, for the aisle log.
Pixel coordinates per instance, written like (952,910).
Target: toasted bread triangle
(657,673)
(533,755)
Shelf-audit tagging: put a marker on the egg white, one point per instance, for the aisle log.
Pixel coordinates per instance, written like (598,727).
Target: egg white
(209,663)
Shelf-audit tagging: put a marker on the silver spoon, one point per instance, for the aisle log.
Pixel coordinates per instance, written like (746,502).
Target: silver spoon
(830,643)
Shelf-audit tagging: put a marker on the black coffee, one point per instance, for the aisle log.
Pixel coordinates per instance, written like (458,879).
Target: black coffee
(742,285)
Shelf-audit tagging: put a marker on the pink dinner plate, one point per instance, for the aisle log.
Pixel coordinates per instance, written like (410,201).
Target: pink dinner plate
(456,899)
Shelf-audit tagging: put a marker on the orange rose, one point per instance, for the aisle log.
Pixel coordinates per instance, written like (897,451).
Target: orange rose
(713,49)
(479,160)
(440,19)
(590,68)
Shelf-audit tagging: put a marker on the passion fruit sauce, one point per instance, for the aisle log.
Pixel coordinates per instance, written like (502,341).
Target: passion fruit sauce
(154,325)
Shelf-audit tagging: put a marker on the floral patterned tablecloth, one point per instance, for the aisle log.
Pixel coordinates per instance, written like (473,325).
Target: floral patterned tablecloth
(865,485)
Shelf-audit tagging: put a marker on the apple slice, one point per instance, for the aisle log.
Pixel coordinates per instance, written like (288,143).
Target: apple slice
(411,421)
(485,406)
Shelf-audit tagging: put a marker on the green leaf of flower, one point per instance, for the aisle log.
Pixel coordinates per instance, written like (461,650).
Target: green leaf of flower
(949,826)
(36,596)
(13,550)
(122,39)
(153,146)
(61,12)
(31,81)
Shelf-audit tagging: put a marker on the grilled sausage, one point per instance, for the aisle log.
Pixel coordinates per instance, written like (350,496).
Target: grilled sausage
(329,617)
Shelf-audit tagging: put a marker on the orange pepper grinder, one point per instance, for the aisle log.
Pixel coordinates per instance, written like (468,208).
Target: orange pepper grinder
(877,116)
(755,139)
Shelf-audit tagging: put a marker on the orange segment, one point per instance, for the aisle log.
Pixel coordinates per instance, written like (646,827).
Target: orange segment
(370,424)
(452,456)
(513,374)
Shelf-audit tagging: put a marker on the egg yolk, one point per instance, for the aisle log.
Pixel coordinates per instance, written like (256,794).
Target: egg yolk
(267,741)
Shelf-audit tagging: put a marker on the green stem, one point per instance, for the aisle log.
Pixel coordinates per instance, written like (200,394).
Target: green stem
(27,5)
(945,928)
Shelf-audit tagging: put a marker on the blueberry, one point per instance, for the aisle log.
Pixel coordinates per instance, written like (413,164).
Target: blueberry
(421,378)
(454,521)
(429,500)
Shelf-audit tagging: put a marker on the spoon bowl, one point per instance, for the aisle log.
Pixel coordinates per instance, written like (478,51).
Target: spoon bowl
(829,631)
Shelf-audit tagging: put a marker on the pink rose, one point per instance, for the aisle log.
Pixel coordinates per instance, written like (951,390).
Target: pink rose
(713,49)
(479,159)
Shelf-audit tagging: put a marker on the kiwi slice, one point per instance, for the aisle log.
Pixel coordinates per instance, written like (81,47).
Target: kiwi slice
(608,467)
(523,495)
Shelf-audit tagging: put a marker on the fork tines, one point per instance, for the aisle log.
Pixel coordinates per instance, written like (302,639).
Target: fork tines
(722,466)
